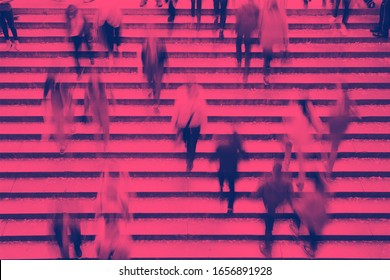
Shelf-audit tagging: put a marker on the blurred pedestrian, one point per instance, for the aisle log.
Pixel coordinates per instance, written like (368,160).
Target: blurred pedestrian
(341,116)
(346,12)
(109,22)
(7,20)
(112,240)
(299,128)
(79,30)
(247,18)
(275,191)
(220,11)
(228,152)
(96,102)
(190,119)
(382,29)
(61,110)
(273,32)
(154,57)
(310,209)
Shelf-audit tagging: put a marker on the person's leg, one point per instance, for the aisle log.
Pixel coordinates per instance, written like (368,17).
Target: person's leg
(346,11)
(269,225)
(76,44)
(287,154)
(9,16)
(378,27)
(336,8)
(117,37)
(313,240)
(195,132)
(386,19)
(238,49)
(75,235)
(199,12)
(248,54)
(192,8)
(171,12)
(109,36)
(267,64)
(232,193)
(336,140)
(157,85)
(221,179)
(223,13)
(4,26)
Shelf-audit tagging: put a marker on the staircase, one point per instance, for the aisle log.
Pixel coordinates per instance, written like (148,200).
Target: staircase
(179,214)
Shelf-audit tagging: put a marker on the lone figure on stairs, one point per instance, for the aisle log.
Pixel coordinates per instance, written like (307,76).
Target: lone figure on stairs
(382,29)
(154,56)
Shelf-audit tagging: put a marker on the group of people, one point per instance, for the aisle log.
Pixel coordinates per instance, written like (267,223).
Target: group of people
(190,119)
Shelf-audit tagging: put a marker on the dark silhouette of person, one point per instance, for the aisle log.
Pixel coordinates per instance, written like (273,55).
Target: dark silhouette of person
(228,152)
(276,191)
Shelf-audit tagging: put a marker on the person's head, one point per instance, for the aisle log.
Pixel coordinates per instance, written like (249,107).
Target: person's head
(277,170)
(71,11)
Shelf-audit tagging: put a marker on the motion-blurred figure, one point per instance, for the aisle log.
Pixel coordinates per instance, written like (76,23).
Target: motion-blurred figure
(342,115)
(228,152)
(247,18)
(273,31)
(112,241)
(382,29)
(61,110)
(346,12)
(66,231)
(276,191)
(220,10)
(109,22)
(310,209)
(96,102)
(189,118)
(79,30)
(154,56)
(299,134)
(7,20)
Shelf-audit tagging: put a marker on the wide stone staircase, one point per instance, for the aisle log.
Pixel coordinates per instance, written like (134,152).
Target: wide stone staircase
(179,214)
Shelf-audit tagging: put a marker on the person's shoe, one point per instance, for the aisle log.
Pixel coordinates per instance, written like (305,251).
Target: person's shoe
(156,110)
(143,3)
(171,18)
(159,3)
(230,211)
(375,30)
(221,36)
(17,45)
(92,61)
(309,252)
(343,29)
(245,77)
(266,81)
(332,19)
(265,251)
(239,63)
(62,150)
(300,186)
(380,35)
(8,46)
(190,165)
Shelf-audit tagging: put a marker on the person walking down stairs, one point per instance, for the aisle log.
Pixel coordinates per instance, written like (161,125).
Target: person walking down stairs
(109,22)
(79,30)
(220,11)
(171,9)
(144,2)
(154,57)
(229,151)
(273,32)
(190,119)
(7,20)
(247,19)
(346,13)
